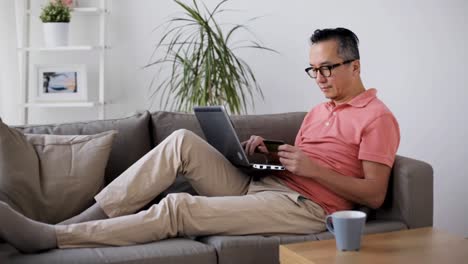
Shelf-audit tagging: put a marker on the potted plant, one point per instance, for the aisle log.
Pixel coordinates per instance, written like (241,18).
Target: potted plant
(55,17)
(197,54)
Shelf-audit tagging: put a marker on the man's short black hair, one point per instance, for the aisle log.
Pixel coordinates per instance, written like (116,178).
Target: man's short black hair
(346,39)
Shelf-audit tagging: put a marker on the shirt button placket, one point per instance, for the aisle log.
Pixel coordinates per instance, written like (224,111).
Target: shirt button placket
(330,117)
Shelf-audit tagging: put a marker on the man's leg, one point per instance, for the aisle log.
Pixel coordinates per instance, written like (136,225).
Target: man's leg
(267,212)
(182,152)
(94,212)
(209,172)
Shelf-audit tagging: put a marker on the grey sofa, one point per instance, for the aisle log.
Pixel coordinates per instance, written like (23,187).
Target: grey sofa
(409,202)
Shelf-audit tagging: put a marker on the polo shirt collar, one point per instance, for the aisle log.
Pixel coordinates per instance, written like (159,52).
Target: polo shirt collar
(364,98)
(361,100)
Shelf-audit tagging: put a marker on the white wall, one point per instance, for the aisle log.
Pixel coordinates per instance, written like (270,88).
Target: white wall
(8,64)
(1,86)
(414,52)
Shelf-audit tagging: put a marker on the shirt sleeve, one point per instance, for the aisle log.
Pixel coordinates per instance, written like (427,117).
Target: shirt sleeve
(298,139)
(380,140)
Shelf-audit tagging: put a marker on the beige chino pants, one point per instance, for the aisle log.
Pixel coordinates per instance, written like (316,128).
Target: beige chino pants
(230,203)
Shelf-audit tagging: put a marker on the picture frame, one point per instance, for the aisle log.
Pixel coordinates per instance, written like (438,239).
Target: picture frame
(60,83)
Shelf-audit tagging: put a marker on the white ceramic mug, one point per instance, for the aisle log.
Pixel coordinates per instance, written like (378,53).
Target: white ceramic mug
(347,227)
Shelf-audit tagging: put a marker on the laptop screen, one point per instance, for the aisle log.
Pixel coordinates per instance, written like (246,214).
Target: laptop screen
(219,132)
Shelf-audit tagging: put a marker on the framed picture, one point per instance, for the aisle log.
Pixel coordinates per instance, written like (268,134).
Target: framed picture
(58,83)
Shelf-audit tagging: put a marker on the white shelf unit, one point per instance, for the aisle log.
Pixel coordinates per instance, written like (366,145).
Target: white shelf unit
(63,48)
(66,104)
(23,24)
(77,10)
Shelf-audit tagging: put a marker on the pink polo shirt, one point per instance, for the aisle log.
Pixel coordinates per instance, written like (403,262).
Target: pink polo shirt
(339,138)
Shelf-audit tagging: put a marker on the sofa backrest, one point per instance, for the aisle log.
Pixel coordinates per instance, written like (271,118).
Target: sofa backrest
(272,126)
(131,143)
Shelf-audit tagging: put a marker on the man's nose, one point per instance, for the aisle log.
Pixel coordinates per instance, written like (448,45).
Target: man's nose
(320,78)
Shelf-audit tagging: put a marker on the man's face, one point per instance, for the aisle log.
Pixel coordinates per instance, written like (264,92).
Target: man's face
(338,86)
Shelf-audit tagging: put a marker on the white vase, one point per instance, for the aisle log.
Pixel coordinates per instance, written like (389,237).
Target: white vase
(55,34)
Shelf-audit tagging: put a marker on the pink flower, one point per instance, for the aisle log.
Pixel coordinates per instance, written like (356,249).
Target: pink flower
(68,3)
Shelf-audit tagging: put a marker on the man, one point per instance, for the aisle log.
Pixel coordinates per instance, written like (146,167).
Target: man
(342,156)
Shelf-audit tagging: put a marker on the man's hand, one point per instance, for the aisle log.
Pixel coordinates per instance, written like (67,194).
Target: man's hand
(295,161)
(369,191)
(254,142)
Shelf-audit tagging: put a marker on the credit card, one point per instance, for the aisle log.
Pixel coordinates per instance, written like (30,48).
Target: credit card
(272,145)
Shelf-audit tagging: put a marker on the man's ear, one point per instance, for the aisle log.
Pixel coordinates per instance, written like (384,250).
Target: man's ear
(356,67)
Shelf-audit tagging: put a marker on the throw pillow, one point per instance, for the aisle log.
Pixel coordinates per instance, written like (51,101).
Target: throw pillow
(50,178)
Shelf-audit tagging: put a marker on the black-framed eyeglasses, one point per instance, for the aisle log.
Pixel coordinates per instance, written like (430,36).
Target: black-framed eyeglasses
(325,71)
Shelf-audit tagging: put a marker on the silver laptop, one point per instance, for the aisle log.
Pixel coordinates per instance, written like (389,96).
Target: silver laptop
(219,132)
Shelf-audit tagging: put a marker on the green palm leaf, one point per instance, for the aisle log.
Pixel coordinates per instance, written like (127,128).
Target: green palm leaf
(203,68)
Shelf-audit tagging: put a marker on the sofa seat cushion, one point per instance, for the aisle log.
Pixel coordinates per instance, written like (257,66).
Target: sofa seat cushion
(372,227)
(131,143)
(287,239)
(252,249)
(177,250)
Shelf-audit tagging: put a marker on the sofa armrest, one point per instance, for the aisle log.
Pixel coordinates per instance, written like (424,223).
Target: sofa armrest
(410,194)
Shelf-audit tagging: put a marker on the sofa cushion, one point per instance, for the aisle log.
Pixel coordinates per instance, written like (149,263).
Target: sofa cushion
(252,248)
(178,250)
(272,126)
(244,249)
(48,177)
(287,239)
(71,173)
(18,166)
(164,123)
(131,143)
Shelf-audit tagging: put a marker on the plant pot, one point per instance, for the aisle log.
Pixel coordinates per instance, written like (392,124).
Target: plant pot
(55,34)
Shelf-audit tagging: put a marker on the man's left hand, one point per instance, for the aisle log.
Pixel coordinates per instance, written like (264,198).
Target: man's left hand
(295,161)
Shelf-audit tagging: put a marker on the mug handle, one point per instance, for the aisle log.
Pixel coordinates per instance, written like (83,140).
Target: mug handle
(329,224)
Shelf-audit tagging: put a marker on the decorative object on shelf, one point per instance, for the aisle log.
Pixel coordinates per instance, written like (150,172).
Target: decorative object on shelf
(58,83)
(31,86)
(69,3)
(55,17)
(203,69)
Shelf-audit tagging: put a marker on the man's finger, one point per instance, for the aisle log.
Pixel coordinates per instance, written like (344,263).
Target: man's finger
(262,149)
(252,147)
(243,143)
(285,162)
(247,147)
(285,154)
(286,147)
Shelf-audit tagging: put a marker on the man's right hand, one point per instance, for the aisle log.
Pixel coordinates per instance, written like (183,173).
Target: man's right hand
(254,142)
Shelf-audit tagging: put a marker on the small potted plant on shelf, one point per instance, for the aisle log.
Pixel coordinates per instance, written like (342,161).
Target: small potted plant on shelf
(55,17)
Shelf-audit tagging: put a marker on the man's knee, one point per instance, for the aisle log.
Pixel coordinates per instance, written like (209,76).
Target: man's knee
(185,138)
(177,201)
(183,133)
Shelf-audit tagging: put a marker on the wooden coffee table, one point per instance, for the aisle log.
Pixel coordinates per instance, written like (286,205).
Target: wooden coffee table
(422,245)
